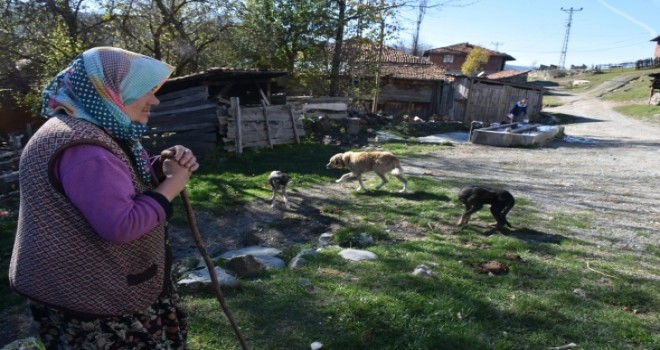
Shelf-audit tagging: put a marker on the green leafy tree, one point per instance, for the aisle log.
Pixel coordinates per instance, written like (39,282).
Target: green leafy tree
(190,35)
(475,59)
(39,37)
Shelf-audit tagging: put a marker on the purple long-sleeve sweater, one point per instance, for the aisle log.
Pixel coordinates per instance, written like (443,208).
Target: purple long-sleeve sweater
(99,185)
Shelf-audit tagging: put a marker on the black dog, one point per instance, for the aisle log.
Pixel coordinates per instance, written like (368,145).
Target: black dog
(475,197)
(278,182)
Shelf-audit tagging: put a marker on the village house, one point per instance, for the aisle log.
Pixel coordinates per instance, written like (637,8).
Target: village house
(451,58)
(657,47)
(510,76)
(411,84)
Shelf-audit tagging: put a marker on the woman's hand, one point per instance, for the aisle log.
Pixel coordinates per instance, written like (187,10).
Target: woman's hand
(181,155)
(178,163)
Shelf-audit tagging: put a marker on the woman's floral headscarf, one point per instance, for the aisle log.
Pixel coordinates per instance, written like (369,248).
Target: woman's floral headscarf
(98,84)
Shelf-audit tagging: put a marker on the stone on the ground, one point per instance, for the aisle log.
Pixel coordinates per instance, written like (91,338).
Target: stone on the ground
(246,266)
(202,277)
(357,254)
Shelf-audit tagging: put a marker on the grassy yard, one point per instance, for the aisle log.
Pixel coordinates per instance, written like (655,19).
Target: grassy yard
(558,289)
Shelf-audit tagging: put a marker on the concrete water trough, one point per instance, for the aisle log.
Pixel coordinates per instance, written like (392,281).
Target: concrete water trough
(516,134)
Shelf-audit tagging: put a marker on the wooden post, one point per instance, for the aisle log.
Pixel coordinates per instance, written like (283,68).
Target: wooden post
(293,124)
(235,105)
(270,139)
(263,96)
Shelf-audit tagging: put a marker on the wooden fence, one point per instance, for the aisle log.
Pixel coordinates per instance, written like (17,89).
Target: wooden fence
(314,107)
(263,126)
(190,117)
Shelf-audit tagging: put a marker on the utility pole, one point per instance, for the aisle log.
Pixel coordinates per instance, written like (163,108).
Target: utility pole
(497,45)
(562,57)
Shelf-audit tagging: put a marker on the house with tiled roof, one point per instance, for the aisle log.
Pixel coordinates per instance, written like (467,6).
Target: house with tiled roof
(512,76)
(407,84)
(418,87)
(451,58)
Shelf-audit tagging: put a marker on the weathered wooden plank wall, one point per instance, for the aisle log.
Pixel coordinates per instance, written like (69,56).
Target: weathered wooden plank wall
(263,126)
(185,117)
(490,102)
(314,107)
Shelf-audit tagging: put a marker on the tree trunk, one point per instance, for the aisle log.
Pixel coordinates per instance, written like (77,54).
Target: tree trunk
(336,56)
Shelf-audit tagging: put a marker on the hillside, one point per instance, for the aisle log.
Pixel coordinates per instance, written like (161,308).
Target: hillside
(628,90)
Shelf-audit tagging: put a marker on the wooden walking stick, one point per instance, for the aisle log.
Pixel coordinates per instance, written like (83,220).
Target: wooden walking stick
(209,263)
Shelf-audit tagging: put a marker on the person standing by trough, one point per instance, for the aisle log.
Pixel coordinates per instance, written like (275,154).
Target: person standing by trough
(91,251)
(518,110)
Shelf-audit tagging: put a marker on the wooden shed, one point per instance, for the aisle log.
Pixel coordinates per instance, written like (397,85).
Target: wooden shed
(489,101)
(414,87)
(199,110)
(406,84)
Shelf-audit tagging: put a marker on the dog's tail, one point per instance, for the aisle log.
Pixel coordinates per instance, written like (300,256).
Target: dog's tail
(398,170)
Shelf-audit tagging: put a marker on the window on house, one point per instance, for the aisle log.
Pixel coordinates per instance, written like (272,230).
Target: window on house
(448,59)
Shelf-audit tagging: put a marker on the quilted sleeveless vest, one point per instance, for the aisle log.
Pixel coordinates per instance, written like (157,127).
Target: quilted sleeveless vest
(58,259)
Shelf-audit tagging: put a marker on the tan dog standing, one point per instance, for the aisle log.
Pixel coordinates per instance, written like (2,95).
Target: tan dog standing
(362,162)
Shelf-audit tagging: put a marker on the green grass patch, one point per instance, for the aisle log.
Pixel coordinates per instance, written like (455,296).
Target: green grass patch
(642,112)
(551,101)
(547,299)
(636,90)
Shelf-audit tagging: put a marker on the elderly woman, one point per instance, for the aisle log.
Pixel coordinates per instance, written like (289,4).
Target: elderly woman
(91,251)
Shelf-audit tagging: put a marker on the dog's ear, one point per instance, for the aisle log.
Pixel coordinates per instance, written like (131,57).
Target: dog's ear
(336,159)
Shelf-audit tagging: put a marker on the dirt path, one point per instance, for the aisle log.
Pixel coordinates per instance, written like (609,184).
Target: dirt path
(608,165)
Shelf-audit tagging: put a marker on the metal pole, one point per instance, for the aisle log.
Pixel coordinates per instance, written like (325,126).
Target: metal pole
(562,57)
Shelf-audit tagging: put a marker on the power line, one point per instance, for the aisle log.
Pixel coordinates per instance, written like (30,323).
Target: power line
(497,45)
(562,57)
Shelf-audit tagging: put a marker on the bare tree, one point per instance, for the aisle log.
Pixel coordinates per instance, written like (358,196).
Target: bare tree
(421,11)
(422,7)
(177,31)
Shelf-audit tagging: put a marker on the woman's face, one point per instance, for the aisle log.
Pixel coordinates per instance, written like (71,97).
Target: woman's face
(139,110)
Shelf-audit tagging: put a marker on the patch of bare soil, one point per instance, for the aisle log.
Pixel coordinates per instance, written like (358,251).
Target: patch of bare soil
(258,223)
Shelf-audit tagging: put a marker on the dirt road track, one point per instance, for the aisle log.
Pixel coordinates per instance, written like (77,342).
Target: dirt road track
(607,166)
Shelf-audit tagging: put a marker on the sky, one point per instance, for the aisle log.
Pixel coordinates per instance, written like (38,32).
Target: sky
(533,31)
